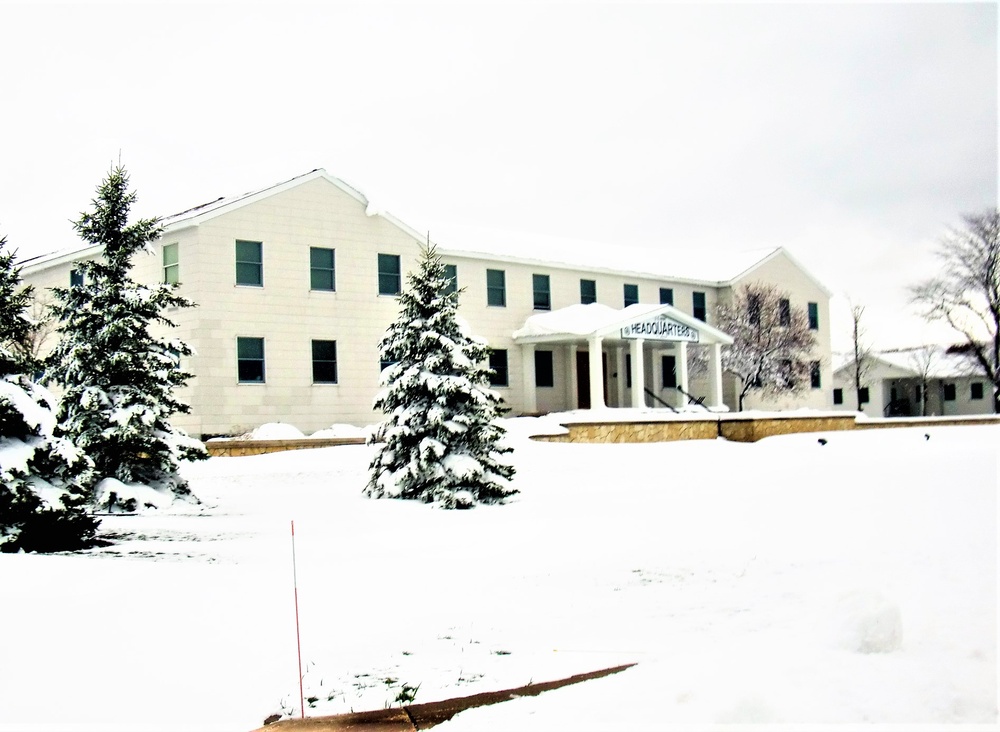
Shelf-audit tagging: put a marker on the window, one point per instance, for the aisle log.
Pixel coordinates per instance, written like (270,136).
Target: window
(171,264)
(324,357)
(838,396)
(813,316)
(76,278)
(249,263)
(666,296)
(588,291)
(631,293)
(784,312)
(949,392)
(541,292)
(250,359)
(496,288)
(668,367)
(390,280)
(814,378)
(976,390)
(753,308)
(322,269)
(383,364)
(544,375)
(863,395)
(787,373)
(698,303)
(628,370)
(498,365)
(451,272)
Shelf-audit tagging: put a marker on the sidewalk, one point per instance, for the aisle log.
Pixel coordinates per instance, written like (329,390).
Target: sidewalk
(424,716)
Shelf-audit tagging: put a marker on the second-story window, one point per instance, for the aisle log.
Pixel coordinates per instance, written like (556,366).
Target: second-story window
(390,277)
(666,296)
(784,312)
(631,294)
(496,288)
(322,269)
(698,305)
(249,263)
(588,291)
(541,293)
(171,264)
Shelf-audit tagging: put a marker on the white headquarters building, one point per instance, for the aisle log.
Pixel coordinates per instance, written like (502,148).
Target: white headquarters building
(296,285)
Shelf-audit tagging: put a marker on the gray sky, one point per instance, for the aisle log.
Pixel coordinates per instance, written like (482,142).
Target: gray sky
(852,134)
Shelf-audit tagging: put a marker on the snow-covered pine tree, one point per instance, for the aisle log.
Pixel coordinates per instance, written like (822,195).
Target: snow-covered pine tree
(118,377)
(42,477)
(440,441)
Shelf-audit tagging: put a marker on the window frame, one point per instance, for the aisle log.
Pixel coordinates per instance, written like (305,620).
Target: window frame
(314,269)
(545,374)
(496,294)
(319,362)
(171,268)
(76,277)
(813,315)
(976,391)
(241,359)
(949,392)
(541,296)
(815,375)
(451,273)
(702,308)
(258,264)
(499,374)
(626,300)
(397,275)
(586,299)
(667,296)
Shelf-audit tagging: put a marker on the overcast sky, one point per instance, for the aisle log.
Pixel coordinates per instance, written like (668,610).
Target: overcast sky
(853,135)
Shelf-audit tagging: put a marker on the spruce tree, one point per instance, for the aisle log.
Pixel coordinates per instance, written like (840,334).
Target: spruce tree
(440,441)
(42,477)
(118,377)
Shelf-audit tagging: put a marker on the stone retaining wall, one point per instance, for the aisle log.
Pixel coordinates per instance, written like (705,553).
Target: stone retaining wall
(240,448)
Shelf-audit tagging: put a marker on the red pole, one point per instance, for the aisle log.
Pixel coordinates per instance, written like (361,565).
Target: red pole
(298,638)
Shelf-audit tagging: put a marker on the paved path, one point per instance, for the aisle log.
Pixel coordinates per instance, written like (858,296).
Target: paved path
(424,716)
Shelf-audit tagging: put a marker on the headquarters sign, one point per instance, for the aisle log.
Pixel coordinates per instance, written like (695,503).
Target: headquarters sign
(660,328)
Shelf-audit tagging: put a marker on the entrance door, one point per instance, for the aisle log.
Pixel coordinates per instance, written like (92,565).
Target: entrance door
(583,378)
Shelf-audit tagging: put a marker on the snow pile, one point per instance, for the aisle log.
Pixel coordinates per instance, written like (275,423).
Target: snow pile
(274,431)
(867,622)
(340,431)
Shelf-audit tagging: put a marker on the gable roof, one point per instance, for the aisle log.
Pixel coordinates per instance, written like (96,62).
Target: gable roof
(906,363)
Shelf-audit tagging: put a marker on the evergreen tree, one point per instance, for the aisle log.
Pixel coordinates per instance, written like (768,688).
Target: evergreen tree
(117,376)
(441,437)
(42,477)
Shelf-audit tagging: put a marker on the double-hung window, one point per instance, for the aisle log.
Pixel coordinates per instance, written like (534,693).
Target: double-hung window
(498,367)
(698,305)
(322,269)
(813,316)
(814,375)
(541,292)
(250,360)
(588,291)
(171,264)
(496,288)
(76,278)
(249,263)
(666,296)
(451,272)
(324,362)
(784,312)
(631,294)
(390,277)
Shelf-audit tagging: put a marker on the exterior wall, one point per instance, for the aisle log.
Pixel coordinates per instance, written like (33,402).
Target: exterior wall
(288,315)
(783,272)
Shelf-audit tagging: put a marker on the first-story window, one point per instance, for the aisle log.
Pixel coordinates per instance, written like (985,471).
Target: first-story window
(249,263)
(666,296)
(949,392)
(544,373)
(324,362)
(250,360)
(631,294)
(628,370)
(838,396)
(863,396)
(171,264)
(669,372)
(814,375)
(390,277)
(976,390)
(498,365)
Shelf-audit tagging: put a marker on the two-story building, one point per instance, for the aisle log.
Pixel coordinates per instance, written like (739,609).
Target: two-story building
(296,284)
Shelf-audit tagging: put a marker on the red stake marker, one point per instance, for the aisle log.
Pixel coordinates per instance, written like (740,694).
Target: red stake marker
(298,638)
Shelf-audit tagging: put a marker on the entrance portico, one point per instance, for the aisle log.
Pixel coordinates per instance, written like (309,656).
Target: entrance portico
(627,340)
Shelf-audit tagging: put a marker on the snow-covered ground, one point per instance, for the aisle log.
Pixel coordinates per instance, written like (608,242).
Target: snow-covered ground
(782,581)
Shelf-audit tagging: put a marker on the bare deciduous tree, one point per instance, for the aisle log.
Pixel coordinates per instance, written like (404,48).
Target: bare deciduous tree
(966,294)
(924,360)
(861,355)
(772,341)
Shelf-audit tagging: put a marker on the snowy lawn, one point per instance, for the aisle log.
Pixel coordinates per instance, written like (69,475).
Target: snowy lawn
(782,581)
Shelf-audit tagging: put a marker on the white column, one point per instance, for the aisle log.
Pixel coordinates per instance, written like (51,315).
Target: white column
(620,368)
(596,374)
(682,374)
(715,375)
(528,378)
(638,375)
(571,376)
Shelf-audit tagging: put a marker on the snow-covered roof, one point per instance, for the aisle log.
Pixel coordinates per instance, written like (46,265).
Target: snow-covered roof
(578,322)
(908,362)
